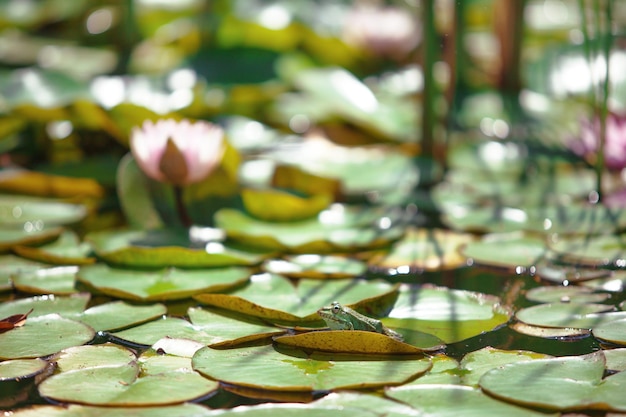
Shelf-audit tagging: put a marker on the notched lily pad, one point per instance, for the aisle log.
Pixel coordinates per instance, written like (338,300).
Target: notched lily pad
(111,375)
(564,384)
(205,327)
(293,373)
(451,315)
(51,332)
(350,342)
(165,284)
(165,248)
(66,250)
(275,298)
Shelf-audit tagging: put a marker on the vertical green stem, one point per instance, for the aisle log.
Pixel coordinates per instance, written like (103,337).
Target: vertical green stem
(430,93)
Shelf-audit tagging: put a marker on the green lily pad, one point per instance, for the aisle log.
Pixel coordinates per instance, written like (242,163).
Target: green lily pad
(363,404)
(485,219)
(569,315)
(276,299)
(563,384)
(320,235)
(43,335)
(18,369)
(74,410)
(316,266)
(10,238)
(57,280)
(456,400)
(558,333)
(118,314)
(111,375)
(476,363)
(576,219)
(19,212)
(510,251)
(451,315)
(565,275)
(593,251)
(612,331)
(423,250)
(166,284)
(66,250)
(445,370)
(11,265)
(291,373)
(164,248)
(566,295)
(615,359)
(613,282)
(205,327)
(280,206)
(46,304)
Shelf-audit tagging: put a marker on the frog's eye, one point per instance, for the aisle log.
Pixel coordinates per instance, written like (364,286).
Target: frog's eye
(336,308)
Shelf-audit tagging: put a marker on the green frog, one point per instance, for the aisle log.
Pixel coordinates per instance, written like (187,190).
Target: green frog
(339,317)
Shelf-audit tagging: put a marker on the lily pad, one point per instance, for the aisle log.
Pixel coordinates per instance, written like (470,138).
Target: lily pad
(74,410)
(351,342)
(565,275)
(510,251)
(449,314)
(66,250)
(612,331)
(11,265)
(18,369)
(362,404)
(316,266)
(51,332)
(291,373)
(275,298)
(280,206)
(19,212)
(111,375)
(46,304)
(206,327)
(456,400)
(118,314)
(558,333)
(164,248)
(423,250)
(569,315)
(57,280)
(10,238)
(318,235)
(566,295)
(166,284)
(594,251)
(563,384)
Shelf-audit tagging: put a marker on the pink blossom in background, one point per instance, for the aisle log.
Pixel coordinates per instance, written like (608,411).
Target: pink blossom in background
(615,147)
(384,31)
(177,152)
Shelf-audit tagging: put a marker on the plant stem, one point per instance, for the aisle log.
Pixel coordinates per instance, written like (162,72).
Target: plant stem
(430,94)
(183,215)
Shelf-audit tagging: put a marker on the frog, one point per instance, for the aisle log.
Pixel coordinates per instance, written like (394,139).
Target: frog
(339,317)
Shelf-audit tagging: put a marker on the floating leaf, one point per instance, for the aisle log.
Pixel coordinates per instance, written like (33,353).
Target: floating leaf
(111,375)
(316,266)
(164,248)
(10,238)
(18,211)
(451,315)
(615,359)
(506,251)
(565,275)
(449,400)
(276,299)
(11,322)
(46,185)
(564,384)
(351,342)
(166,284)
(66,250)
(118,314)
(423,249)
(559,333)
(47,304)
(57,280)
(362,404)
(18,369)
(566,295)
(280,206)
(593,251)
(569,315)
(43,335)
(74,410)
(206,327)
(11,265)
(612,331)
(282,372)
(306,236)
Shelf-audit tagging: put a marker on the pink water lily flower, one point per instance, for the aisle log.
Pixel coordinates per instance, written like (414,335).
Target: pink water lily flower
(615,146)
(177,152)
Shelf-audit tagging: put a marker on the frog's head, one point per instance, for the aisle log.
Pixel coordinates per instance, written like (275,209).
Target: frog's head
(335,316)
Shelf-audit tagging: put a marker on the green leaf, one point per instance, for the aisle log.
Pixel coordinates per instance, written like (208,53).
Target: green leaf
(314,266)
(66,250)
(37,212)
(282,372)
(74,410)
(165,284)
(569,315)
(19,369)
(118,314)
(57,280)
(510,251)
